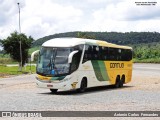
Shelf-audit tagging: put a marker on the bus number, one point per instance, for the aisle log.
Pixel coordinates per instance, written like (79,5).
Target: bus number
(116,65)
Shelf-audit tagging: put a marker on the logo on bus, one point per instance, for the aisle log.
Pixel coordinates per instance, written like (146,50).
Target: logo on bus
(116,65)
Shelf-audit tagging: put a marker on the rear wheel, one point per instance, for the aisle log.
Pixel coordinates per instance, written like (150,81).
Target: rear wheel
(122,81)
(83,85)
(117,84)
(54,90)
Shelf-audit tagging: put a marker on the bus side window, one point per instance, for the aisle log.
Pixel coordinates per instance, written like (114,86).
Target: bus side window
(123,55)
(100,53)
(86,56)
(111,54)
(119,53)
(75,61)
(76,58)
(95,53)
(103,53)
(89,52)
(126,54)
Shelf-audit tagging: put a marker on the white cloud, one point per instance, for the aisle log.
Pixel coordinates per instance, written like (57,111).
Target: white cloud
(48,18)
(125,16)
(45,17)
(127,11)
(40,18)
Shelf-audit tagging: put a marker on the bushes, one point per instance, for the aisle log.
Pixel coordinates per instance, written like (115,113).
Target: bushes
(147,51)
(6,60)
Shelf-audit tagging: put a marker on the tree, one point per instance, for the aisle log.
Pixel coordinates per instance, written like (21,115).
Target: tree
(85,35)
(12,46)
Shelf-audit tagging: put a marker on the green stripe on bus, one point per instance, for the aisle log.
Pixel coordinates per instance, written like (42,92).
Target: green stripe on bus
(97,70)
(103,70)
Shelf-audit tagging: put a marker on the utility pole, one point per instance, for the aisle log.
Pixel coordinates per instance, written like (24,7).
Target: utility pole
(20,44)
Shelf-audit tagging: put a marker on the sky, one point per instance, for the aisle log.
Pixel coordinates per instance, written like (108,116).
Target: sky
(40,18)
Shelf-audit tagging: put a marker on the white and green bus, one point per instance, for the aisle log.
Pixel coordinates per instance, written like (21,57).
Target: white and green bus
(75,63)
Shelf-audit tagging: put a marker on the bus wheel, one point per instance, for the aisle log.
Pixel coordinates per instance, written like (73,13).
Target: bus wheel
(122,81)
(117,84)
(83,85)
(54,90)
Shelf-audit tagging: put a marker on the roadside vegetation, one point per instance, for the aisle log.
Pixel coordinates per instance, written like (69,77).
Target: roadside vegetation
(11,54)
(6,71)
(17,42)
(147,53)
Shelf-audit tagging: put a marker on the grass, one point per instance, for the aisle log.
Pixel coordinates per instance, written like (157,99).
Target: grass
(150,60)
(14,70)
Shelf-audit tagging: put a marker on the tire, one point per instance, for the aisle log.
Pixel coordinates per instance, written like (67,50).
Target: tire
(118,82)
(54,90)
(122,81)
(83,86)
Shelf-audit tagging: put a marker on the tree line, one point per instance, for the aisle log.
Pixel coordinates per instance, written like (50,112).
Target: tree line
(147,51)
(112,37)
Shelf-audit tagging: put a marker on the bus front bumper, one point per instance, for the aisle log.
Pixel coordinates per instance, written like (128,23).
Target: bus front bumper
(61,86)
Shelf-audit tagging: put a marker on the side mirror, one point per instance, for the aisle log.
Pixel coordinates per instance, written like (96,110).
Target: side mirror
(33,54)
(71,56)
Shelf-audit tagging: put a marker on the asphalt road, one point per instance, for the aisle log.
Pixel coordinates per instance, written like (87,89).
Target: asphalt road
(143,93)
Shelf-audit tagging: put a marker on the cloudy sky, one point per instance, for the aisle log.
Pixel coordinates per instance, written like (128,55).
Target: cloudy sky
(45,17)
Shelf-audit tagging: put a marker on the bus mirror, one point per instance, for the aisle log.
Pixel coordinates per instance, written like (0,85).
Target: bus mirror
(71,55)
(33,54)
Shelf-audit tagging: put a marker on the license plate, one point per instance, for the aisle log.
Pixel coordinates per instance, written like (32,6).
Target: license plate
(49,85)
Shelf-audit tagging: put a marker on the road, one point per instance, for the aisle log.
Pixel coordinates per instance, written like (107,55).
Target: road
(143,93)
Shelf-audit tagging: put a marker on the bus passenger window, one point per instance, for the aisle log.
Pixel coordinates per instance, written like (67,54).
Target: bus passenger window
(95,53)
(75,61)
(87,54)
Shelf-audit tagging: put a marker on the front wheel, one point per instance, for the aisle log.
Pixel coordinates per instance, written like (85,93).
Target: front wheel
(54,90)
(83,86)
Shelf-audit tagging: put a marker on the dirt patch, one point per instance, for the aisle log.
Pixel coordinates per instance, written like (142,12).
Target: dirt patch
(5,75)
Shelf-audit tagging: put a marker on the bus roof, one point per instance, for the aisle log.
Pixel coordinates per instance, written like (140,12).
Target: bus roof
(70,42)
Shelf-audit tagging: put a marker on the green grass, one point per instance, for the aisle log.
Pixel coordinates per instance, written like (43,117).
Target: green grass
(150,60)
(14,70)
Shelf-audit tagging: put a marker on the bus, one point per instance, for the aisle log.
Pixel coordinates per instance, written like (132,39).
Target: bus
(76,64)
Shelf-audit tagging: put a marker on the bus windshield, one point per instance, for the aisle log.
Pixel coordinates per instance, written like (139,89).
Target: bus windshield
(53,61)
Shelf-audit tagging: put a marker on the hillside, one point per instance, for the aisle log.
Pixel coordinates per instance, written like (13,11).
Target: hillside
(113,37)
